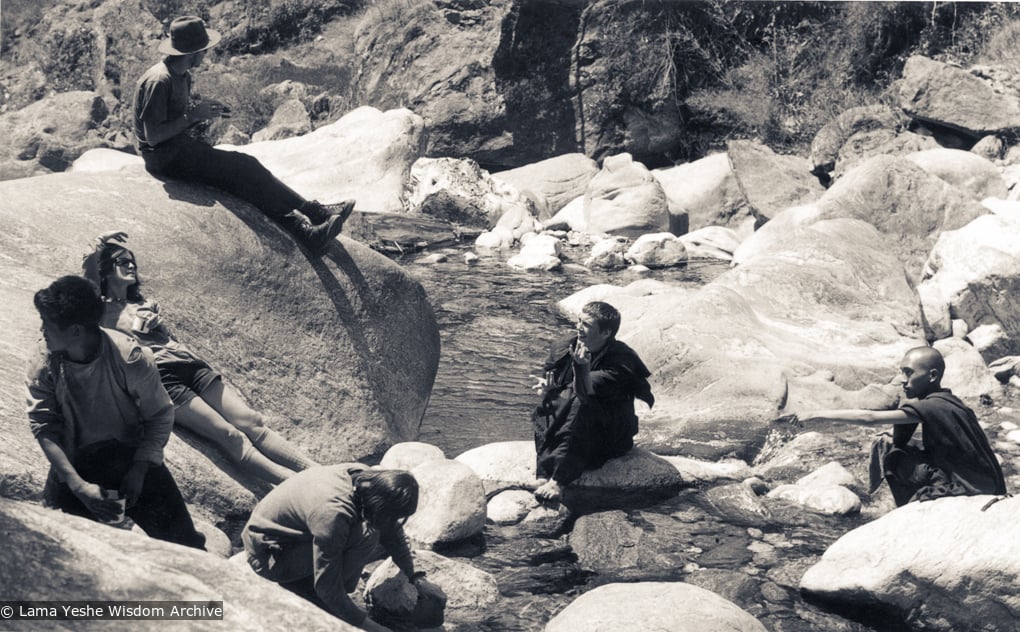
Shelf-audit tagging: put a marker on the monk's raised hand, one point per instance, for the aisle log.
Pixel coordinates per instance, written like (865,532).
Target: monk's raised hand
(581,354)
(789,421)
(540,383)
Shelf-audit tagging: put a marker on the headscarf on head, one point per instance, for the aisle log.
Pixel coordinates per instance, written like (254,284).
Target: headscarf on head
(108,247)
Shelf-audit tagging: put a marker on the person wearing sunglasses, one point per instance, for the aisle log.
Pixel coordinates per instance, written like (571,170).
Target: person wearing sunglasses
(315,533)
(203,403)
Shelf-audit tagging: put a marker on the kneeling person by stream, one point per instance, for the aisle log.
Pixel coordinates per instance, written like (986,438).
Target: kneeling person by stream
(319,528)
(954,457)
(587,417)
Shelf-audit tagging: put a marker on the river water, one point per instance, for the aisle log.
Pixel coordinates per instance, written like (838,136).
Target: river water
(495,325)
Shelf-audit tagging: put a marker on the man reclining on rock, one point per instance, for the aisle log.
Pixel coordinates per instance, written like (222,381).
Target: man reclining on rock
(587,412)
(322,526)
(101,415)
(164,120)
(955,460)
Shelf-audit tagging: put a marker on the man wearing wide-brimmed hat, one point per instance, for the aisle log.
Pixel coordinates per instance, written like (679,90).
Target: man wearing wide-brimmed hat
(164,116)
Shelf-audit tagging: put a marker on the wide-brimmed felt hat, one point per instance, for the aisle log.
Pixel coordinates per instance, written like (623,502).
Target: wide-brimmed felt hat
(189,35)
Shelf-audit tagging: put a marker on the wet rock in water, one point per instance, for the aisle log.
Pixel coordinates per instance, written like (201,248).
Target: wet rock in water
(462,192)
(963,169)
(636,546)
(624,199)
(974,272)
(499,238)
(608,253)
(637,477)
(694,471)
(407,455)
(451,504)
(547,520)
(738,504)
(511,506)
(556,180)
(542,252)
(97,562)
(825,498)
(657,250)
(673,606)
(832,473)
(711,242)
(469,590)
(735,586)
(803,454)
(957,570)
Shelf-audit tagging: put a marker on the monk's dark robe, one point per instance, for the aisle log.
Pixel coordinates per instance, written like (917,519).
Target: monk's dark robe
(573,435)
(954,458)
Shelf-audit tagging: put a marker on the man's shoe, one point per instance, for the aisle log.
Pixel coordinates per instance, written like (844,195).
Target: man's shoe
(319,212)
(315,238)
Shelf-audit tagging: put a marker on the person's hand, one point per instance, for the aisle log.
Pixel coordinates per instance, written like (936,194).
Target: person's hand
(540,383)
(581,355)
(111,235)
(131,484)
(91,495)
(208,110)
(789,421)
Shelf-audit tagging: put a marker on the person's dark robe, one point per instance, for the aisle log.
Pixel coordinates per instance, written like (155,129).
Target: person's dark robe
(572,435)
(956,459)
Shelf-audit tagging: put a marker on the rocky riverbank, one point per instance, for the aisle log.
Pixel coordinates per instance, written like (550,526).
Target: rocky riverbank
(827,288)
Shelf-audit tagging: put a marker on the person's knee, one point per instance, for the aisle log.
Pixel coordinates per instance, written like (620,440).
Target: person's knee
(250,423)
(234,443)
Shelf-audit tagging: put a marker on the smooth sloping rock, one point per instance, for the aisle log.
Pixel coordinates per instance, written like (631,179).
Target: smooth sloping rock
(955,98)
(975,272)
(410,454)
(366,155)
(624,199)
(958,572)
(924,205)
(698,471)
(460,191)
(657,250)
(451,503)
(241,294)
(101,159)
(47,554)
(556,180)
(677,607)
(771,182)
(965,170)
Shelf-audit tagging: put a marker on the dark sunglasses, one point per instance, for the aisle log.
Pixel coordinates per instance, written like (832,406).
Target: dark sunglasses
(123,262)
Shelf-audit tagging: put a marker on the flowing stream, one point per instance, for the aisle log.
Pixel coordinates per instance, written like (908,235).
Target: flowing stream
(495,325)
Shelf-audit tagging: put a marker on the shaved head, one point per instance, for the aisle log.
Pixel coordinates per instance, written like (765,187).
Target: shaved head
(922,369)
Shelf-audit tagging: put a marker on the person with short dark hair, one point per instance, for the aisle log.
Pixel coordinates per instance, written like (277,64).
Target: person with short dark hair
(101,416)
(587,416)
(954,457)
(164,118)
(324,524)
(203,402)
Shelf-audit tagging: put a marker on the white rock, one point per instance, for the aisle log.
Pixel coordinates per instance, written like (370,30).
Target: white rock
(711,242)
(451,503)
(499,238)
(533,261)
(556,180)
(407,455)
(832,473)
(511,506)
(608,253)
(968,171)
(624,199)
(830,499)
(704,192)
(102,159)
(709,471)
(470,258)
(966,374)
(503,465)
(569,217)
(657,250)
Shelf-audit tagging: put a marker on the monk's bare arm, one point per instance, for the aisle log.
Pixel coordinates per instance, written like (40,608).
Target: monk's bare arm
(860,417)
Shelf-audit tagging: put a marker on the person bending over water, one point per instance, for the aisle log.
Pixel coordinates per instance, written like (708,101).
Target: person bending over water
(954,458)
(587,412)
(202,402)
(165,117)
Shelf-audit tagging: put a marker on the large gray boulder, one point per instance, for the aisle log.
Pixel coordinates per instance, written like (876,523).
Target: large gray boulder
(49,555)
(451,503)
(673,606)
(469,590)
(973,273)
(624,199)
(831,138)
(721,356)
(704,193)
(964,170)
(242,295)
(771,182)
(956,573)
(961,100)
(554,181)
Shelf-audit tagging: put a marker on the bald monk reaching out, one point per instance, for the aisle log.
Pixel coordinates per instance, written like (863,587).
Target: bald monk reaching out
(955,460)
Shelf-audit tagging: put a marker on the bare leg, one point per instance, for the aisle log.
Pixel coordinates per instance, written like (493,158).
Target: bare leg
(198,416)
(231,407)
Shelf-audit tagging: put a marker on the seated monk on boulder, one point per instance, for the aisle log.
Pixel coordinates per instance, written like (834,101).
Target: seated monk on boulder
(955,460)
(587,412)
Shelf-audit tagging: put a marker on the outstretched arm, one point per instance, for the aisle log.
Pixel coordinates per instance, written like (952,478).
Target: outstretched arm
(860,417)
